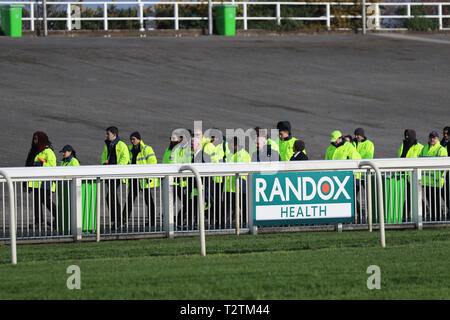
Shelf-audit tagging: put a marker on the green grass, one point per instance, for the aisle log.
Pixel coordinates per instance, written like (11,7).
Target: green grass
(314,265)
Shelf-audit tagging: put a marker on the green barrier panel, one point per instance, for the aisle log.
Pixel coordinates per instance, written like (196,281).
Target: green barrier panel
(11,20)
(393,197)
(89,206)
(226,19)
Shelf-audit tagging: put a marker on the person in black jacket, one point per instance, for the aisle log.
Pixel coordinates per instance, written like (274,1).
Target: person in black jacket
(298,148)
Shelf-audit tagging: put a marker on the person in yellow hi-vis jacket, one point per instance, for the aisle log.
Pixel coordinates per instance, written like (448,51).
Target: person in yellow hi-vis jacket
(410,148)
(198,155)
(140,153)
(69,157)
(364,146)
(433,180)
(41,155)
(239,155)
(115,152)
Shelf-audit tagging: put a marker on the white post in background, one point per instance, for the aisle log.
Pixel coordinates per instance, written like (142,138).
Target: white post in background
(328,17)
(12,217)
(44,3)
(244,14)
(416,196)
(210,18)
(377,16)
(69,20)
(141,16)
(440,16)
(364,21)
(175,12)
(278,13)
(32,22)
(167,198)
(105,16)
(76,209)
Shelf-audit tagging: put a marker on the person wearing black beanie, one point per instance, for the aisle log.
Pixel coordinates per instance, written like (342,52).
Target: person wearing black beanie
(364,146)
(286,140)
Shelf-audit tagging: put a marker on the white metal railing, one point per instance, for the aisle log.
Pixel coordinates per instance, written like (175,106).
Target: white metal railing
(373,12)
(76,202)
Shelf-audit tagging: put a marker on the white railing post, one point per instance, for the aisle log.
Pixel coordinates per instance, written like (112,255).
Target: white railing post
(201,207)
(76,219)
(237,190)
(12,217)
(253,229)
(328,16)
(32,22)
(377,16)
(175,13)
(168,212)
(141,16)
(105,16)
(369,199)
(98,224)
(416,196)
(440,15)
(210,18)
(408,10)
(44,4)
(278,13)
(380,198)
(244,14)
(364,20)
(69,21)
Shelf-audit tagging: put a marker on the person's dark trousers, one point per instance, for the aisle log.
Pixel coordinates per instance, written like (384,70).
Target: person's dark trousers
(229,220)
(133,190)
(42,197)
(182,205)
(431,210)
(216,208)
(407,204)
(446,195)
(113,201)
(358,184)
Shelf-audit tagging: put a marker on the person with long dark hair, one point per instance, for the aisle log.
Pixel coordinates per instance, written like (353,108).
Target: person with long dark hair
(41,155)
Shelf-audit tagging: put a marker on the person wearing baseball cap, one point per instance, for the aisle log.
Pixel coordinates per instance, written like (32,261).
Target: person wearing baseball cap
(364,146)
(433,181)
(69,156)
(340,149)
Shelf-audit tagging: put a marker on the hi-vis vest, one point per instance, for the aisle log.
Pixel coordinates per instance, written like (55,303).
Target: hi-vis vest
(230,182)
(433,178)
(45,158)
(146,155)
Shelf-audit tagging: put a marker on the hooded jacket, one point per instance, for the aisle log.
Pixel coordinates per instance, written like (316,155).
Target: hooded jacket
(410,148)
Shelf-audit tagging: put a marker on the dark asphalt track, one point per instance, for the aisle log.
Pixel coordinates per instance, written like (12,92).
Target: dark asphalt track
(73,88)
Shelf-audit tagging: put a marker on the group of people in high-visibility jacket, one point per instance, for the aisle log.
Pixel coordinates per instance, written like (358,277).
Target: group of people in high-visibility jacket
(194,147)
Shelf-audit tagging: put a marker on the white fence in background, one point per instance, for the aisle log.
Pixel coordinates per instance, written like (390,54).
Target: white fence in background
(111,201)
(376,13)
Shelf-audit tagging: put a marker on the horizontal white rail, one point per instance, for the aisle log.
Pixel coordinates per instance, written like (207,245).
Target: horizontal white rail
(90,171)
(373,12)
